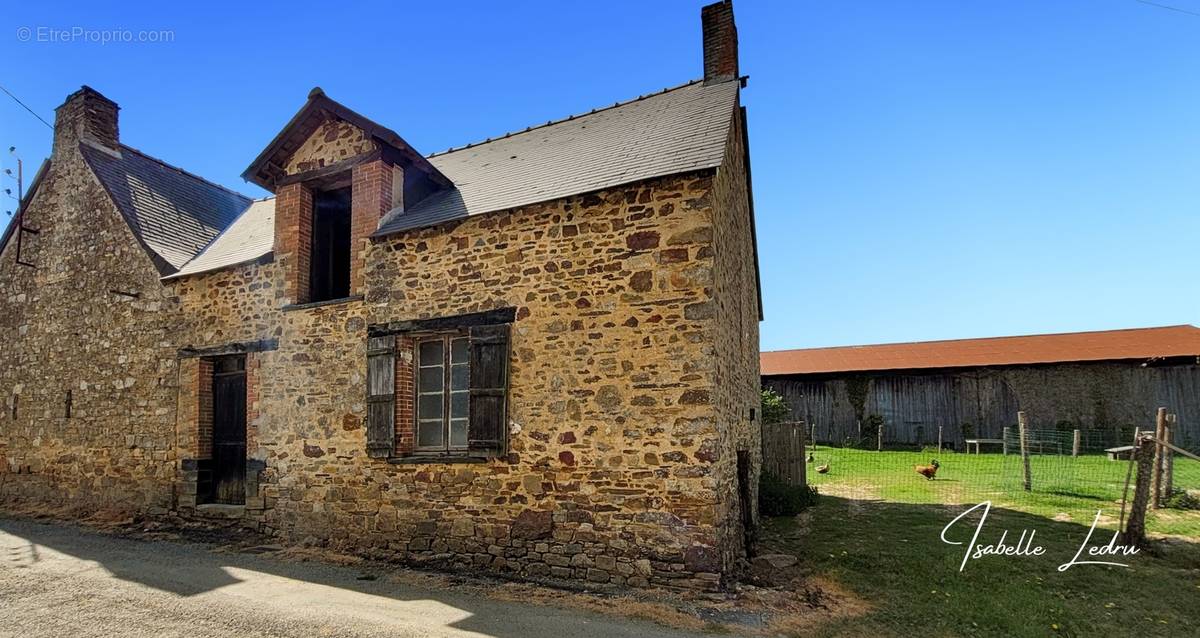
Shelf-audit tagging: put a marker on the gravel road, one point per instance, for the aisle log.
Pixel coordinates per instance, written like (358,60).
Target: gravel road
(59,580)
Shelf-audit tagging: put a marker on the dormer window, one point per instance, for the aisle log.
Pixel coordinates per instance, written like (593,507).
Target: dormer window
(329,273)
(335,175)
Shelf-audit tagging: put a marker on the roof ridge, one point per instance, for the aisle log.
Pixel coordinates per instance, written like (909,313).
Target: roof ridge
(569,118)
(1045,334)
(185,172)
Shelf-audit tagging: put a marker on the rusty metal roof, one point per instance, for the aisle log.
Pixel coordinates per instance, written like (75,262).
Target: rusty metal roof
(1106,345)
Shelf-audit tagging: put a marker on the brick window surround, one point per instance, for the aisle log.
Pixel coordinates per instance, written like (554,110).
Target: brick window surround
(405,395)
(372,196)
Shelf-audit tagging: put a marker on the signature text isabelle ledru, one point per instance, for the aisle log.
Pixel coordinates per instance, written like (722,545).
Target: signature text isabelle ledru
(1025,544)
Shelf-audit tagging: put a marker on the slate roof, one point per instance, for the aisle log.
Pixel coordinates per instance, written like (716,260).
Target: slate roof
(249,237)
(1108,345)
(673,131)
(175,214)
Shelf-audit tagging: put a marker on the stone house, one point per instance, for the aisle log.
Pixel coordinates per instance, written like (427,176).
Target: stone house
(535,354)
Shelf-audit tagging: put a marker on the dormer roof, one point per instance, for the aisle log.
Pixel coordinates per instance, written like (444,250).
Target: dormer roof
(269,167)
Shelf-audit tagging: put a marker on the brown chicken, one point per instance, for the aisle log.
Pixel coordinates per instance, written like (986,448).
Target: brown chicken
(823,469)
(928,471)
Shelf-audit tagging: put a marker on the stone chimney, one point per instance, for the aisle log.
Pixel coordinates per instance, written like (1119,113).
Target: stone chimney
(86,115)
(720,42)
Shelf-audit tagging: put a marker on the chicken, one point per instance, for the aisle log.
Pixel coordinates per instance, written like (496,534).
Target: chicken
(928,471)
(823,469)
(810,457)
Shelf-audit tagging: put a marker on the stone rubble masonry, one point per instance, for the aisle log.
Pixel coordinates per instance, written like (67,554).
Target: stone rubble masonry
(735,338)
(66,329)
(633,371)
(333,141)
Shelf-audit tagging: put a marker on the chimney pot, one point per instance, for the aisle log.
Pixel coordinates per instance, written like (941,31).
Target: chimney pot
(720,42)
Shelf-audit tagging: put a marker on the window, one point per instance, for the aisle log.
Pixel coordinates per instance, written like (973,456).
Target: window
(443,393)
(329,274)
(438,388)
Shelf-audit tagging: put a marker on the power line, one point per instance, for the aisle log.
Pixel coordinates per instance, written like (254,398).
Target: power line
(1169,8)
(31,111)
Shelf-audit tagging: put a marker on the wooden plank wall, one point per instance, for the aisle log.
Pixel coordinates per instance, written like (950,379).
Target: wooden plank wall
(783,451)
(1102,396)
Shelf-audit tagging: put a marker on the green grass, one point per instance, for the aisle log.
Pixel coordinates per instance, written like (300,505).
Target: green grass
(875,534)
(1064,487)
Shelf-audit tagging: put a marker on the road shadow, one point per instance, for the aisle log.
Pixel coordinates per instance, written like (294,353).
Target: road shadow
(188,569)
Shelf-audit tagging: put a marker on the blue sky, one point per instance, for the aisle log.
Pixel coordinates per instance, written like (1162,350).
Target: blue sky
(922,169)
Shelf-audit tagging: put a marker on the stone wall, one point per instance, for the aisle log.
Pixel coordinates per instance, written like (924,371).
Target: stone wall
(633,372)
(333,141)
(92,319)
(614,455)
(734,335)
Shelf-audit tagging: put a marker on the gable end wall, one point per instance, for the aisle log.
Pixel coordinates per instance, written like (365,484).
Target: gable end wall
(64,328)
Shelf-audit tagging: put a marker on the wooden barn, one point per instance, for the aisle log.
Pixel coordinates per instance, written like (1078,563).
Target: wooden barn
(1101,382)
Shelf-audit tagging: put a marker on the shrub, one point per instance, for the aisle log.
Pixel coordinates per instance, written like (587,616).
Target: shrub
(776,498)
(1183,500)
(774,408)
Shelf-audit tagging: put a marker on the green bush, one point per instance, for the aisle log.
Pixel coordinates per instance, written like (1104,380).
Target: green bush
(774,408)
(776,498)
(1182,500)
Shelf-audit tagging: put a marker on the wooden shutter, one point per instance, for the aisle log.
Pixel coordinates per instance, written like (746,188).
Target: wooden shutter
(381,396)
(489,390)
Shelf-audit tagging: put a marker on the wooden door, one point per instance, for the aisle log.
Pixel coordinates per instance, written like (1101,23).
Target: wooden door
(229,431)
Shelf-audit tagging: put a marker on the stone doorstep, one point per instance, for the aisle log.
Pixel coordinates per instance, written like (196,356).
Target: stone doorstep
(221,510)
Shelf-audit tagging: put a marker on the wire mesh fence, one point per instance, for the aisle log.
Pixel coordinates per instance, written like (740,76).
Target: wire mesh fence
(1056,472)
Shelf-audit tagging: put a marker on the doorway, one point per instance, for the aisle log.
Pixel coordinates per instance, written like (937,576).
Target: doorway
(746,501)
(229,431)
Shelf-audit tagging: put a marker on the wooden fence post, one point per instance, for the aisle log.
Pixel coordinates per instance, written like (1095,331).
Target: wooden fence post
(1075,444)
(1135,530)
(879,438)
(1021,423)
(1169,458)
(813,438)
(1128,473)
(939,439)
(802,431)
(1160,425)
(1004,437)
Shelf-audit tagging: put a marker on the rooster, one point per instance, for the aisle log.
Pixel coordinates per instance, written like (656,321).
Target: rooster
(928,471)
(823,469)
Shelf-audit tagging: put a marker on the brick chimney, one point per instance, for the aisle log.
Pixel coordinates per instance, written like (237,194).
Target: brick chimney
(720,42)
(86,115)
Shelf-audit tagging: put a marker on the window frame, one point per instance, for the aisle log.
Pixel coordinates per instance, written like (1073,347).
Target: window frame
(446,447)
(331,218)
